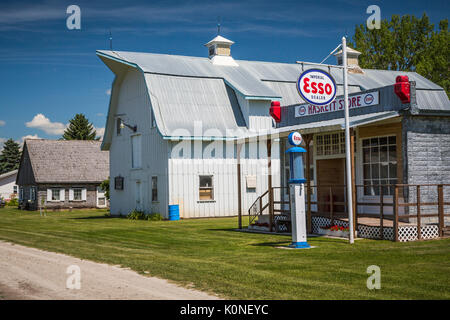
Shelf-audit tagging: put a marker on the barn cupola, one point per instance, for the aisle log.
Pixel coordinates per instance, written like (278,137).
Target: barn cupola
(352,60)
(219,51)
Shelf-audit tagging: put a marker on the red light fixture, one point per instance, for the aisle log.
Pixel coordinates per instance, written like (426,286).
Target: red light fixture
(402,89)
(275,111)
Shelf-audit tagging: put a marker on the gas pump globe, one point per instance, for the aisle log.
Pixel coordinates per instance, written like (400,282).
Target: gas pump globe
(297,192)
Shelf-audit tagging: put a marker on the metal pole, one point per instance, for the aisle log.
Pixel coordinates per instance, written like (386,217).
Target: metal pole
(347,144)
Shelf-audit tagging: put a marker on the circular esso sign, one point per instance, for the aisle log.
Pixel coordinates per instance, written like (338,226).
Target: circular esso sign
(316,87)
(295,138)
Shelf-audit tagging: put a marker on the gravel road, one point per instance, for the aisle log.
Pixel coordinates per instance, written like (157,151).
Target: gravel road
(28,273)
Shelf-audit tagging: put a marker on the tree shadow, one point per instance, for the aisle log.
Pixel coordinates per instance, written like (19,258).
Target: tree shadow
(94,218)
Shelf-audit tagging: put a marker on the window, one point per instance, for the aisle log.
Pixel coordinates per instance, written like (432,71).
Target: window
(330,144)
(102,202)
(55,194)
(211,50)
(119,126)
(32,194)
(21,193)
(118,183)
(136,151)
(154,188)
(379,164)
(206,190)
(77,194)
(15,189)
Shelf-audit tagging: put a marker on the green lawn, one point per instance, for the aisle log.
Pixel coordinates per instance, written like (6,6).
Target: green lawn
(208,255)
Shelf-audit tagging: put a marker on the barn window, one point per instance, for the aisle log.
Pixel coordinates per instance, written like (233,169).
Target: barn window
(154,188)
(118,183)
(136,151)
(206,190)
(119,126)
(379,164)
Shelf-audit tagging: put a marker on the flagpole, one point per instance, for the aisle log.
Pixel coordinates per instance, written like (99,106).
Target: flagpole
(347,144)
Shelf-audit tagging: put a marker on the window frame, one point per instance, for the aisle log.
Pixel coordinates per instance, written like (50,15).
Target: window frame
(375,192)
(138,156)
(81,193)
(154,189)
(200,188)
(59,194)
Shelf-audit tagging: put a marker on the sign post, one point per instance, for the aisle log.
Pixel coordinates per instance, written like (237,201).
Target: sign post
(347,144)
(297,192)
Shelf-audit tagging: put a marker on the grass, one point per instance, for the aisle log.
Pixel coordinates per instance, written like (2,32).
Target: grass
(208,255)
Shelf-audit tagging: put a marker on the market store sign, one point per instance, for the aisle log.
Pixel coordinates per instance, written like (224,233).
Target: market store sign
(356,101)
(317,87)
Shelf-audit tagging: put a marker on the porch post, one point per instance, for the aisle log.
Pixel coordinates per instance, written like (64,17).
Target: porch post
(269,181)
(308,138)
(238,155)
(354,193)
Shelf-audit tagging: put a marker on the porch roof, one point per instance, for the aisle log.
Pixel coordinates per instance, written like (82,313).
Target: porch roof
(338,124)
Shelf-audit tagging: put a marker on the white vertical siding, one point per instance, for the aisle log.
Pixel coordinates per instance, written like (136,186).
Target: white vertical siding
(184,180)
(134,108)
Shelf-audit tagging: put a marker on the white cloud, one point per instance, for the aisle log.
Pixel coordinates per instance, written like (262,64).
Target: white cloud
(100,114)
(29,136)
(2,141)
(2,123)
(100,132)
(108,92)
(43,123)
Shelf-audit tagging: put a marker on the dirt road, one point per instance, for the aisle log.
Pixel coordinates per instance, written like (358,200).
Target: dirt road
(28,273)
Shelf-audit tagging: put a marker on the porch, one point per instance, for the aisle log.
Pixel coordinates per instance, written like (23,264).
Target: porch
(397,212)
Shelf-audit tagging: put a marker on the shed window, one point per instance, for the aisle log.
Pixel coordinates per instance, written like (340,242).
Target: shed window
(21,193)
(56,194)
(32,194)
(154,188)
(379,165)
(206,190)
(15,189)
(77,194)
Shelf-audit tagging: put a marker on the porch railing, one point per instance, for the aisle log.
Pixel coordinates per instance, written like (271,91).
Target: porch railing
(331,202)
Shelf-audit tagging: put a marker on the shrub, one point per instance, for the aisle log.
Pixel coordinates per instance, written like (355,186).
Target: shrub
(139,215)
(13,202)
(136,215)
(154,217)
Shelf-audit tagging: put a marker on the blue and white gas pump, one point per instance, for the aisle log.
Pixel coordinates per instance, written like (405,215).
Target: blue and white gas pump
(297,192)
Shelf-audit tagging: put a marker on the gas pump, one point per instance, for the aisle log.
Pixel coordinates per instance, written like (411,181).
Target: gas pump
(297,192)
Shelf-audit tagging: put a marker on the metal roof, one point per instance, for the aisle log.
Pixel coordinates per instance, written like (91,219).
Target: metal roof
(432,100)
(339,123)
(193,100)
(238,78)
(8,174)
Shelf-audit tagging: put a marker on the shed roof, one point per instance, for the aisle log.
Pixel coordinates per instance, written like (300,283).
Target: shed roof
(67,161)
(8,174)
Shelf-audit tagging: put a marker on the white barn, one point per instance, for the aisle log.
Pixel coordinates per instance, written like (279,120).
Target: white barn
(175,127)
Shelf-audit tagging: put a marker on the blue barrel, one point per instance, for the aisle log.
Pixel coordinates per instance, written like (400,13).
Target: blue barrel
(174,212)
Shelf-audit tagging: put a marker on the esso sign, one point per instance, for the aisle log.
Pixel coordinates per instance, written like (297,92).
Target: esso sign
(295,138)
(316,87)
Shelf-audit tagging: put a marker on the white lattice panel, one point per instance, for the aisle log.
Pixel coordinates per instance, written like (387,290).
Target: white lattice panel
(409,233)
(373,232)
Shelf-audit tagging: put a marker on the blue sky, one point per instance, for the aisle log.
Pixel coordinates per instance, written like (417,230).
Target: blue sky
(49,73)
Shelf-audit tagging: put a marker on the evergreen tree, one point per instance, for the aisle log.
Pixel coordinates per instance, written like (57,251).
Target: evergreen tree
(407,43)
(10,156)
(80,129)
